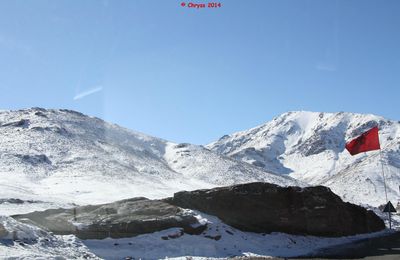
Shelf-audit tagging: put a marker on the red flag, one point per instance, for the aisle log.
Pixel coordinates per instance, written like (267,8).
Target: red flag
(368,141)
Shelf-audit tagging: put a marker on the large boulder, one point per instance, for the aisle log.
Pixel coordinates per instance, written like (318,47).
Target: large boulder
(264,208)
(125,218)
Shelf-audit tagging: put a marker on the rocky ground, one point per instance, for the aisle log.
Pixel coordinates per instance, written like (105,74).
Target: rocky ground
(126,218)
(252,220)
(266,208)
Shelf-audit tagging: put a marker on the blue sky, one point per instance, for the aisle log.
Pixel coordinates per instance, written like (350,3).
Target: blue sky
(194,75)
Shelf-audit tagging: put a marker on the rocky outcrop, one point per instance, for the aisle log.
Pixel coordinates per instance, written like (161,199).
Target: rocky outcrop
(126,218)
(264,208)
(256,207)
(24,123)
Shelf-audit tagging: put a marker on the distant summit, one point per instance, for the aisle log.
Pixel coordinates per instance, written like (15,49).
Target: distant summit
(310,146)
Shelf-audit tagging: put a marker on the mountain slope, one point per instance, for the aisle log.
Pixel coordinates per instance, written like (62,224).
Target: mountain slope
(309,146)
(63,155)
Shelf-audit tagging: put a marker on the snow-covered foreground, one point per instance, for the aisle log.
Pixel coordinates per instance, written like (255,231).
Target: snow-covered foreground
(21,241)
(219,240)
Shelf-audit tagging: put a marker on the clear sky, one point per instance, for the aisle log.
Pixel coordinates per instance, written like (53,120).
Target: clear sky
(191,75)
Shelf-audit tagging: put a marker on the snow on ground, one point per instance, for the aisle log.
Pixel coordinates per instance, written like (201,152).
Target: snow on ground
(22,241)
(54,158)
(219,240)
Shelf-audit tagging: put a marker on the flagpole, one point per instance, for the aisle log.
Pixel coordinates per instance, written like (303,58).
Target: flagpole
(383,174)
(384,184)
(369,141)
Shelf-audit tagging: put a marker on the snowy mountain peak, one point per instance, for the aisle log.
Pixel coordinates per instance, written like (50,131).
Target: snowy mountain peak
(63,155)
(309,146)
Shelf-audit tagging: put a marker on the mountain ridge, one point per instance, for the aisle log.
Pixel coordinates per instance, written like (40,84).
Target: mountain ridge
(309,146)
(64,155)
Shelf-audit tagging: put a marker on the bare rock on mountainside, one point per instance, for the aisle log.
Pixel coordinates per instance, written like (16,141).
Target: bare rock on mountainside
(264,208)
(126,218)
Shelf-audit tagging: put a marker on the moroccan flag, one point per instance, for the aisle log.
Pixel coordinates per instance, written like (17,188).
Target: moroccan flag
(368,141)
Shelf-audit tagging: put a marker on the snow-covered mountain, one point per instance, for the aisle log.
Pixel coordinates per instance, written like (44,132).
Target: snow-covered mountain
(65,156)
(309,146)
(51,158)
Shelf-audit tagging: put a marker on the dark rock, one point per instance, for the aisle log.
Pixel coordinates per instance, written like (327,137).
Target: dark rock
(18,201)
(264,208)
(366,126)
(72,112)
(229,232)
(125,218)
(24,123)
(35,159)
(216,238)
(41,109)
(11,201)
(223,137)
(41,114)
(55,129)
(182,145)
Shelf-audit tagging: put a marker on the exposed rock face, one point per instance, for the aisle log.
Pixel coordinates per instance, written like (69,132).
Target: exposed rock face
(3,231)
(263,208)
(125,218)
